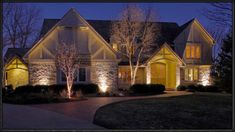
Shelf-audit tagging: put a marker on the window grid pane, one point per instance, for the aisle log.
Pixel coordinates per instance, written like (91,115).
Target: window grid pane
(192,51)
(186,74)
(82,74)
(195,74)
(198,52)
(190,74)
(187,51)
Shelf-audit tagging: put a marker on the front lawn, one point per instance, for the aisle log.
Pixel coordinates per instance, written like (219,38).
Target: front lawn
(197,111)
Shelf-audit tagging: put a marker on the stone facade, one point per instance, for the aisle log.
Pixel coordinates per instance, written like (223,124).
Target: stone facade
(42,74)
(204,75)
(105,74)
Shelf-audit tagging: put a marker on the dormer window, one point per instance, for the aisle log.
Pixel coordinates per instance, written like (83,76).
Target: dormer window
(193,51)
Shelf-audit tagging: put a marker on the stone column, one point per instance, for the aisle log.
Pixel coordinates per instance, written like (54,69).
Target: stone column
(42,74)
(105,75)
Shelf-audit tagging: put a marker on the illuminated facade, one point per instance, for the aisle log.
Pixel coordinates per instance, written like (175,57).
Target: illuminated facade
(182,57)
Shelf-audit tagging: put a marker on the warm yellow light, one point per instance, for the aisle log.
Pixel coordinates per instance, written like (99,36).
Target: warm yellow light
(103,83)
(205,79)
(115,46)
(83,28)
(148,75)
(44,81)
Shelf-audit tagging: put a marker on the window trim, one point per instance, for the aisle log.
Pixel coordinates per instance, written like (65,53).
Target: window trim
(187,78)
(195,46)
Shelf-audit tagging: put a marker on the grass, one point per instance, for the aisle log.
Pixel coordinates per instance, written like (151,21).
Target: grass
(197,111)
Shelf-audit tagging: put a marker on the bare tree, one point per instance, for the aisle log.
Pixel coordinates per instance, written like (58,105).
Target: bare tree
(135,33)
(20,27)
(218,34)
(67,61)
(219,13)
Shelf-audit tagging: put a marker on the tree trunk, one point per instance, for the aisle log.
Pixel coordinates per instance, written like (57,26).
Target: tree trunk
(69,86)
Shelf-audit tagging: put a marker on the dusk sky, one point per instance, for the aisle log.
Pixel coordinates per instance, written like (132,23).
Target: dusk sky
(168,12)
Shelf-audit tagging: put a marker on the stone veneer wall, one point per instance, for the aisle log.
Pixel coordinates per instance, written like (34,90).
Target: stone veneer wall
(204,75)
(105,74)
(42,74)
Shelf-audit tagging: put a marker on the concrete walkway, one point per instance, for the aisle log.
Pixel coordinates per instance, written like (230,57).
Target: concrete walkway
(72,115)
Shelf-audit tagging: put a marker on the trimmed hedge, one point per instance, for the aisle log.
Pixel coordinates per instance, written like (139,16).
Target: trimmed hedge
(198,88)
(147,88)
(26,89)
(56,88)
(181,88)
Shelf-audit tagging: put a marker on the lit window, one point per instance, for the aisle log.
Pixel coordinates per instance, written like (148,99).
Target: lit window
(195,74)
(198,52)
(191,74)
(193,51)
(82,74)
(124,75)
(188,51)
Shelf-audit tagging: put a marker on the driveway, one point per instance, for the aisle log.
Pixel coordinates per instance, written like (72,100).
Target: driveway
(85,110)
(26,117)
(73,115)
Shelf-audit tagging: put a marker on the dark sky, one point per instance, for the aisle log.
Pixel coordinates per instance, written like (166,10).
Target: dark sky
(170,12)
(167,12)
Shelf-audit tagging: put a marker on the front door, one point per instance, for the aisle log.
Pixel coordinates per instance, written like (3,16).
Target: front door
(158,73)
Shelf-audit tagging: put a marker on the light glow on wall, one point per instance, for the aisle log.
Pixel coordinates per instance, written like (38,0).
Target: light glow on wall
(103,83)
(43,81)
(205,78)
(148,75)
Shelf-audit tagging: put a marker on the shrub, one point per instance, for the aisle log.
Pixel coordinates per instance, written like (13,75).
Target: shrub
(181,88)
(86,88)
(24,89)
(7,90)
(192,87)
(147,88)
(199,88)
(57,88)
(212,88)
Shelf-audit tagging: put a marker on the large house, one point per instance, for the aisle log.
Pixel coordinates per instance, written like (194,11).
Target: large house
(183,57)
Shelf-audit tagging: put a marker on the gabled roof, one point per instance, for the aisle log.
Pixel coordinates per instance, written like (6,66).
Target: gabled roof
(12,52)
(183,27)
(52,24)
(10,60)
(168,30)
(157,51)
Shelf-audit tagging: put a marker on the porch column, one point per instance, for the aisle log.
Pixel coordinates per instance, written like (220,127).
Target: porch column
(177,75)
(148,74)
